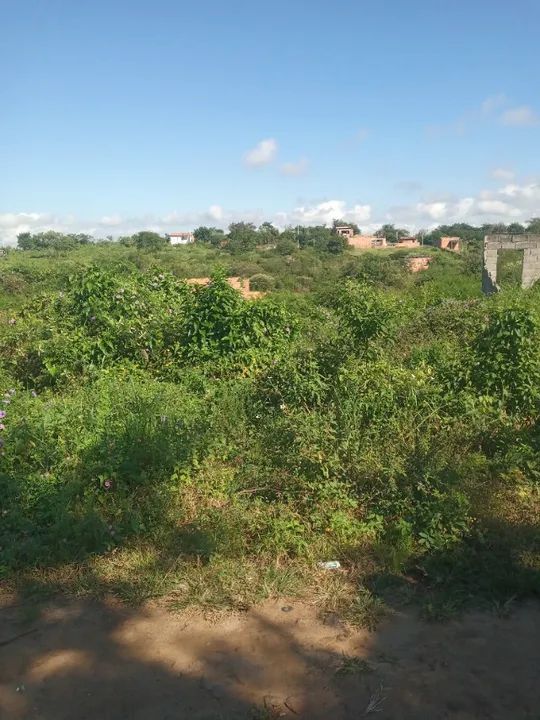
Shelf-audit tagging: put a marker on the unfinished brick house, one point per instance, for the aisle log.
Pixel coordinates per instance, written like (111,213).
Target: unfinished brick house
(345,231)
(366,241)
(360,242)
(449,243)
(407,242)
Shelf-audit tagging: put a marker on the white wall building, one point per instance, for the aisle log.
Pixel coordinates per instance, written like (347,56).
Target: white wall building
(180,238)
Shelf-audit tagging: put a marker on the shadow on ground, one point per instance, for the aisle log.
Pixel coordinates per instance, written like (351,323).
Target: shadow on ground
(96,660)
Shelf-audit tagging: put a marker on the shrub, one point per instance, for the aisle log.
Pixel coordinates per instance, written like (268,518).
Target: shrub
(261,282)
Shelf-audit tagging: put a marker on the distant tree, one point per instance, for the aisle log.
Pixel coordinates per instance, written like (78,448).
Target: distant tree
(147,240)
(286,245)
(493,229)
(25,241)
(321,238)
(242,237)
(515,229)
(52,240)
(268,234)
(209,235)
(336,244)
(533,226)
(391,232)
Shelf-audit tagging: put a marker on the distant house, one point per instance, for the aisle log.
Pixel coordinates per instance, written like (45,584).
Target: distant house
(361,242)
(366,241)
(180,238)
(407,242)
(450,243)
(345,231)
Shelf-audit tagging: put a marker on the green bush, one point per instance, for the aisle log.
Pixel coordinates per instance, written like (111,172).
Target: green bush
(261,282)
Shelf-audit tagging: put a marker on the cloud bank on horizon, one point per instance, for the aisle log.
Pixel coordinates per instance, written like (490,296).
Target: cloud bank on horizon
(511,202)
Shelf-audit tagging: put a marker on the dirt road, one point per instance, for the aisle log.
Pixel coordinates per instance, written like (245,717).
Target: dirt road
(103,661)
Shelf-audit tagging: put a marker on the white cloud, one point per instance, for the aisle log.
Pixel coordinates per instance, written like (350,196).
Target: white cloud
(215,212)
(502,174)
(522,116)
(490,104)
(112,220)
(295,168)
(434,210)
(497,207)
(262,154)
(327,211)
(509,203)
(11,220)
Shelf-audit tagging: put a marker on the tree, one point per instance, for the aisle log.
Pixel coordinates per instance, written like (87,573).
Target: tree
(147,240)
(209,235)
(533,226)
(242,237)
(268,234)
(391,232)
(285,245)
(52,240)
(25,241)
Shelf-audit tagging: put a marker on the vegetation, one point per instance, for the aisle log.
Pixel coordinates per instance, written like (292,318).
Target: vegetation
(162,438)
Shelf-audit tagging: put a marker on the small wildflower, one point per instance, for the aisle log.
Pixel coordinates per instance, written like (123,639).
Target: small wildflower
(2,426)
(107,484)
(2,414)
(282,406)
(12,321)
(33,393)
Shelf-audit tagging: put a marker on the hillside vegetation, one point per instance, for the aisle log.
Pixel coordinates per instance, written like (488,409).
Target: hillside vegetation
(162,438)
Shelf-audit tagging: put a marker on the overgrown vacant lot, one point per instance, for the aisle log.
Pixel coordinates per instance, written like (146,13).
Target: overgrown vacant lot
(167,439)
(172,443)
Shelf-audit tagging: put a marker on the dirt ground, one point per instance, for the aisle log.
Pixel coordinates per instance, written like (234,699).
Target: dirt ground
(103,661)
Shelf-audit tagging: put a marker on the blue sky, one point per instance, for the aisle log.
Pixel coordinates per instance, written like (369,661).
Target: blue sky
(125,114)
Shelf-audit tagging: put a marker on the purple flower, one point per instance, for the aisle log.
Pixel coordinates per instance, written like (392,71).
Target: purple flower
(2,414)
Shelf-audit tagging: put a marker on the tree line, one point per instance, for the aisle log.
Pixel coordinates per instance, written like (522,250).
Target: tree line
(246,236)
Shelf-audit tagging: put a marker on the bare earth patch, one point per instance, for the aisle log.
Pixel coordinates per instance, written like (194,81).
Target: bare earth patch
(104,660)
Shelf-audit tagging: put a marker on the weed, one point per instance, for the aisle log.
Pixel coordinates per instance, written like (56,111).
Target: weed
(353,666)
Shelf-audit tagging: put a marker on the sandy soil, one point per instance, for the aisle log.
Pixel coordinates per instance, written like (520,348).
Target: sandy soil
(102,661)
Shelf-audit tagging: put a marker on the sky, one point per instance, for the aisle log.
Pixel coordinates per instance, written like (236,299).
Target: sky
(122,115)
